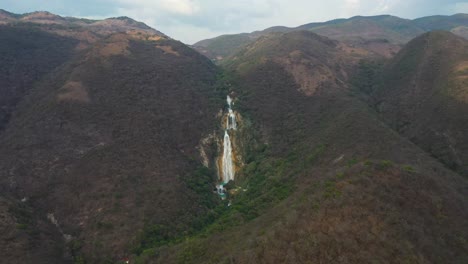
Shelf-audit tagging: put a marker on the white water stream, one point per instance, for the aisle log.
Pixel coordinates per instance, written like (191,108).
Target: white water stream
(227,168)
(231,122)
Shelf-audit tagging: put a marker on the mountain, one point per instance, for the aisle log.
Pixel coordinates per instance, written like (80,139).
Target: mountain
(314,61)
(423,95)
(34,44)
(442,22)
(383,35)
(27,56)
(327,180)
(100,137)
(121,144)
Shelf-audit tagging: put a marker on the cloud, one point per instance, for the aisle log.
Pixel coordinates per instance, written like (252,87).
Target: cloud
(193,20)
(178,7)
(461,7)
(351,6)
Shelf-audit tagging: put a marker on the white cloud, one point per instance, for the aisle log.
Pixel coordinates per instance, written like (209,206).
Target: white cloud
(185,7)
(351,7)
(192,20)
(461,7)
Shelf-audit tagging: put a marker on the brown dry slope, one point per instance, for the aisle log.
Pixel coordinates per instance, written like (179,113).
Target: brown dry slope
(332,183)
(101,146)
(424,96)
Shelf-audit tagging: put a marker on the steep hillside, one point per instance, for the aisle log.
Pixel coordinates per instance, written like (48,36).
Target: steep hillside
(34,44)
(325,181)
(27,55)
(383,35)
(424,96)
(103,149)
(317,63)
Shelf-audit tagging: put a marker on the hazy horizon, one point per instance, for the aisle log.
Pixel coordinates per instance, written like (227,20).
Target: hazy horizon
(193,20)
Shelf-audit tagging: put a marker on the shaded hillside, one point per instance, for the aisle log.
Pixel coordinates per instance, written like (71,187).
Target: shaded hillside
(27,237)
(352,190)
(383,35)
(424,96)
(104,148)
(27,55)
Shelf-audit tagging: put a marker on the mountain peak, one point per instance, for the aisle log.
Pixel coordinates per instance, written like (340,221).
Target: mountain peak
(125,24)
(127,21)
(41,15)
(103,27)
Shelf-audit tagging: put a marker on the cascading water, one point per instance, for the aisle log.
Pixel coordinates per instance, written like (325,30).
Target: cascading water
(227,169)
(231,122)
(228,166)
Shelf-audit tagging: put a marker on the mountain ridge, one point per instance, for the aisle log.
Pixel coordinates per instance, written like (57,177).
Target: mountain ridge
(396,32)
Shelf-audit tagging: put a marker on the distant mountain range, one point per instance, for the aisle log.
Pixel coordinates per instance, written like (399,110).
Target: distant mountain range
(383,34)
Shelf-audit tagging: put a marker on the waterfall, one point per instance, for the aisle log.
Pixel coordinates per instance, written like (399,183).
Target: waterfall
(221,191)
(231,122)
(228,166)
(226,161)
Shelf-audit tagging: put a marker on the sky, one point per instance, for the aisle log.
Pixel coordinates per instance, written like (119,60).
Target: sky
(193,20)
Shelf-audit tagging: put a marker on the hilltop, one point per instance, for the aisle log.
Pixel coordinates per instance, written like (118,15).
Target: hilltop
(383,35)
(422,93)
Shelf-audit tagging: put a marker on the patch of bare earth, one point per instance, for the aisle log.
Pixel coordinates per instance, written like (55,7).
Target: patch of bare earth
(168,50)
(73,91)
